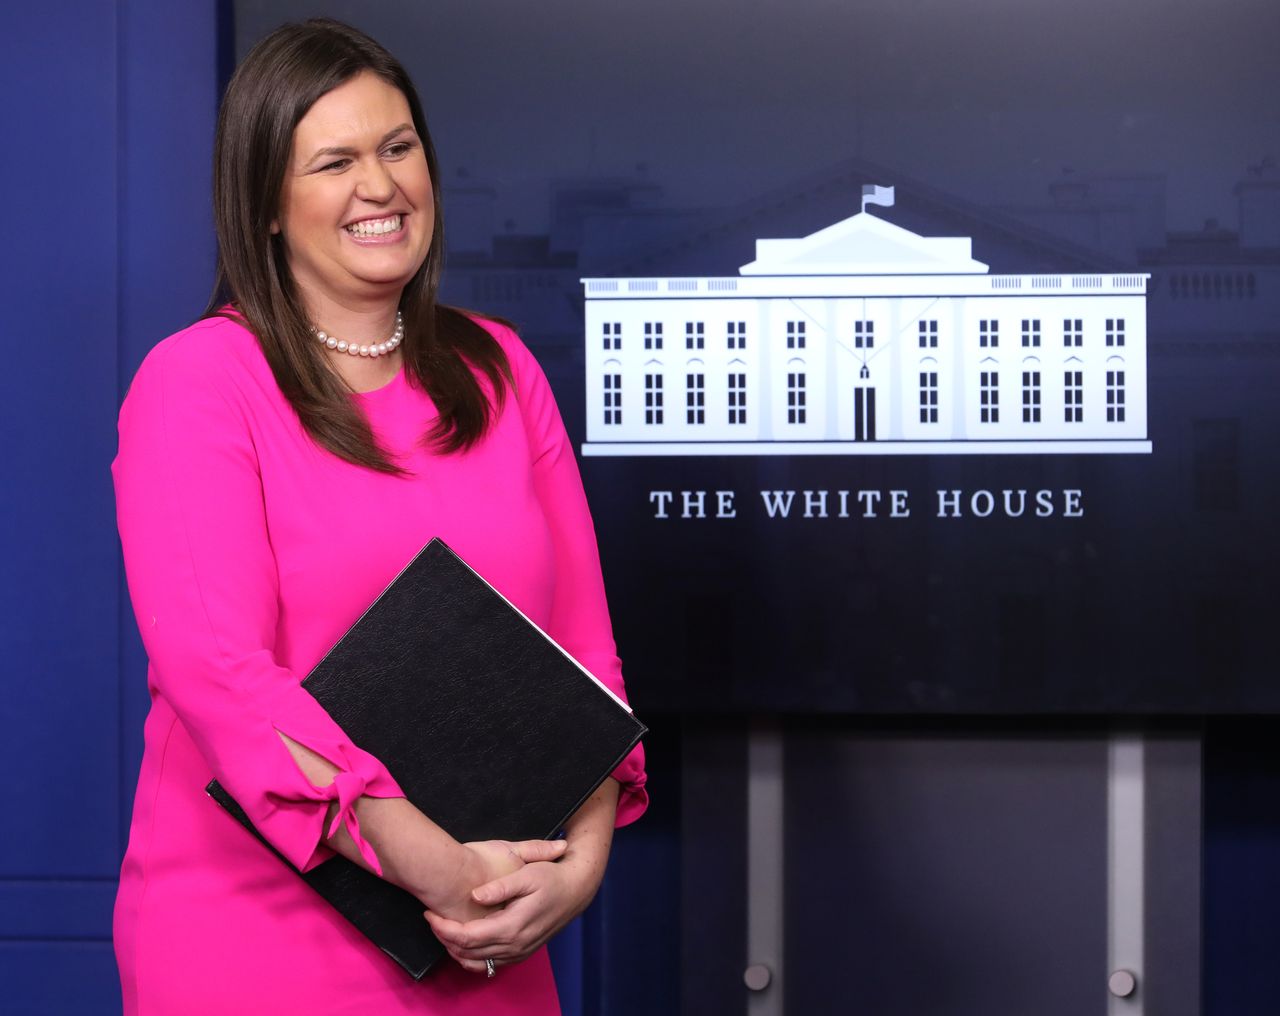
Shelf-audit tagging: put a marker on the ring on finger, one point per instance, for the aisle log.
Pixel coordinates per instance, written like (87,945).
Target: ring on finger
(489,968)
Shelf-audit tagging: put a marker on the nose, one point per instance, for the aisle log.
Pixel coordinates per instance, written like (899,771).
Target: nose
(375,184)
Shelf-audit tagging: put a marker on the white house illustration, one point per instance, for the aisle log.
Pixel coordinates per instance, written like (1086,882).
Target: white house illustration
(865,338)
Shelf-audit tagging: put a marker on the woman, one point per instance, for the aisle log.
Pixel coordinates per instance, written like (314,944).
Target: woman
(280,461)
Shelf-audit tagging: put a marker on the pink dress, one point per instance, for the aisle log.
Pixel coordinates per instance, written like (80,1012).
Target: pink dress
(249,551)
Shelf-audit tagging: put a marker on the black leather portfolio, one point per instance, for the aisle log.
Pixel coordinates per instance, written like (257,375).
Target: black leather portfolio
(489,727)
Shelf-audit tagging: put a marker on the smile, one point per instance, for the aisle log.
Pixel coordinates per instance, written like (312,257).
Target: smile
(375,227)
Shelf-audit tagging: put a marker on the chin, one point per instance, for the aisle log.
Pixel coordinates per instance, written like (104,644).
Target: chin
(398,275)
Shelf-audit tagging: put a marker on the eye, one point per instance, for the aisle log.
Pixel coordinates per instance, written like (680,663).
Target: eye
(335,165)
(399,149)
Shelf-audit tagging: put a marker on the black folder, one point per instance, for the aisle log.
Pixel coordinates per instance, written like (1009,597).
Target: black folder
(489,727)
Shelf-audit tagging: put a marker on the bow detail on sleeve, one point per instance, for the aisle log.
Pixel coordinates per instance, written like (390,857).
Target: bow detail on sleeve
(346,789)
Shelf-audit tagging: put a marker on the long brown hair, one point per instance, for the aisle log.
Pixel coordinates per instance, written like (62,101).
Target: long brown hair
(443,349)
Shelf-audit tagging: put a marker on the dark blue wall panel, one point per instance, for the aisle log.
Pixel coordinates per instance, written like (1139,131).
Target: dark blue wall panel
(58,602)
(1241,865)
(57,909)
(109,112)
(58,978)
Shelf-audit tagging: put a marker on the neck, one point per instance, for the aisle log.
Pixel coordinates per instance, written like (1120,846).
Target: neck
(362,321)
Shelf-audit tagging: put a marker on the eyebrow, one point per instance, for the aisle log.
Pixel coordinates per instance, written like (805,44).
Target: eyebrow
(347,150)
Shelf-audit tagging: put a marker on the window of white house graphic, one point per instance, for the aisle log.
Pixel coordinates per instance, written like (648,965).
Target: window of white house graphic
(988,333)
(653,335)
(928,393)
(795,335)
(1115,331)
(928,334)
(1072,333)
(612,397)
(1115,396)
(1031,396)
(1030,333)
(737,335)
(1073,396)
(694,335)
(613,335)
(653,398)
(695,397)
(864,335)
(796,403)
(989,394)
(737,397)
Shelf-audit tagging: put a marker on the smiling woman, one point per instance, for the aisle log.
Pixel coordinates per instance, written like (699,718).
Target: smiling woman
(356,209)
(320,134)
(280,461)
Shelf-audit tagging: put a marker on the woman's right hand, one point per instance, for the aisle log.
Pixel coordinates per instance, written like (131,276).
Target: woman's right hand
(485,860)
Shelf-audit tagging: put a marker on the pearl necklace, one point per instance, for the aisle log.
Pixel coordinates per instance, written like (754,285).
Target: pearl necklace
(377,349)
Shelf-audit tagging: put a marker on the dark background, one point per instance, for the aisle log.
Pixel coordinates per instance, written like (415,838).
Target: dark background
(664,139)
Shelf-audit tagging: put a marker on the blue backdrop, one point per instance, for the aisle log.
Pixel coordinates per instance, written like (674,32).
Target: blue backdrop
(109,109)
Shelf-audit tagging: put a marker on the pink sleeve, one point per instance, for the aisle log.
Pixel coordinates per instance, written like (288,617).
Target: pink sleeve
(202,578)
(580,615)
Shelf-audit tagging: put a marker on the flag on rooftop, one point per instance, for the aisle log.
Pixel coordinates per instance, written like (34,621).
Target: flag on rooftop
(874,194)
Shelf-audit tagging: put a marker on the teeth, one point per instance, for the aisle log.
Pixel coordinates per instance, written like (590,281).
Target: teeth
(375,227)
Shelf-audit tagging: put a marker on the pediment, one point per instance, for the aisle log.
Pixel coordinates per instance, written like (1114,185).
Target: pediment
(864,244)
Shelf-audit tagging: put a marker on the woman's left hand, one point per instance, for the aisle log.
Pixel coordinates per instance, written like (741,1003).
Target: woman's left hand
(534,902)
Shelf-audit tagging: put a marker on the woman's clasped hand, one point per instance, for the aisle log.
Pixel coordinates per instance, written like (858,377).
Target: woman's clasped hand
(546,885)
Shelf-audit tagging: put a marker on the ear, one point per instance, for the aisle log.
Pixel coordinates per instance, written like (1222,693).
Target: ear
(275,227)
